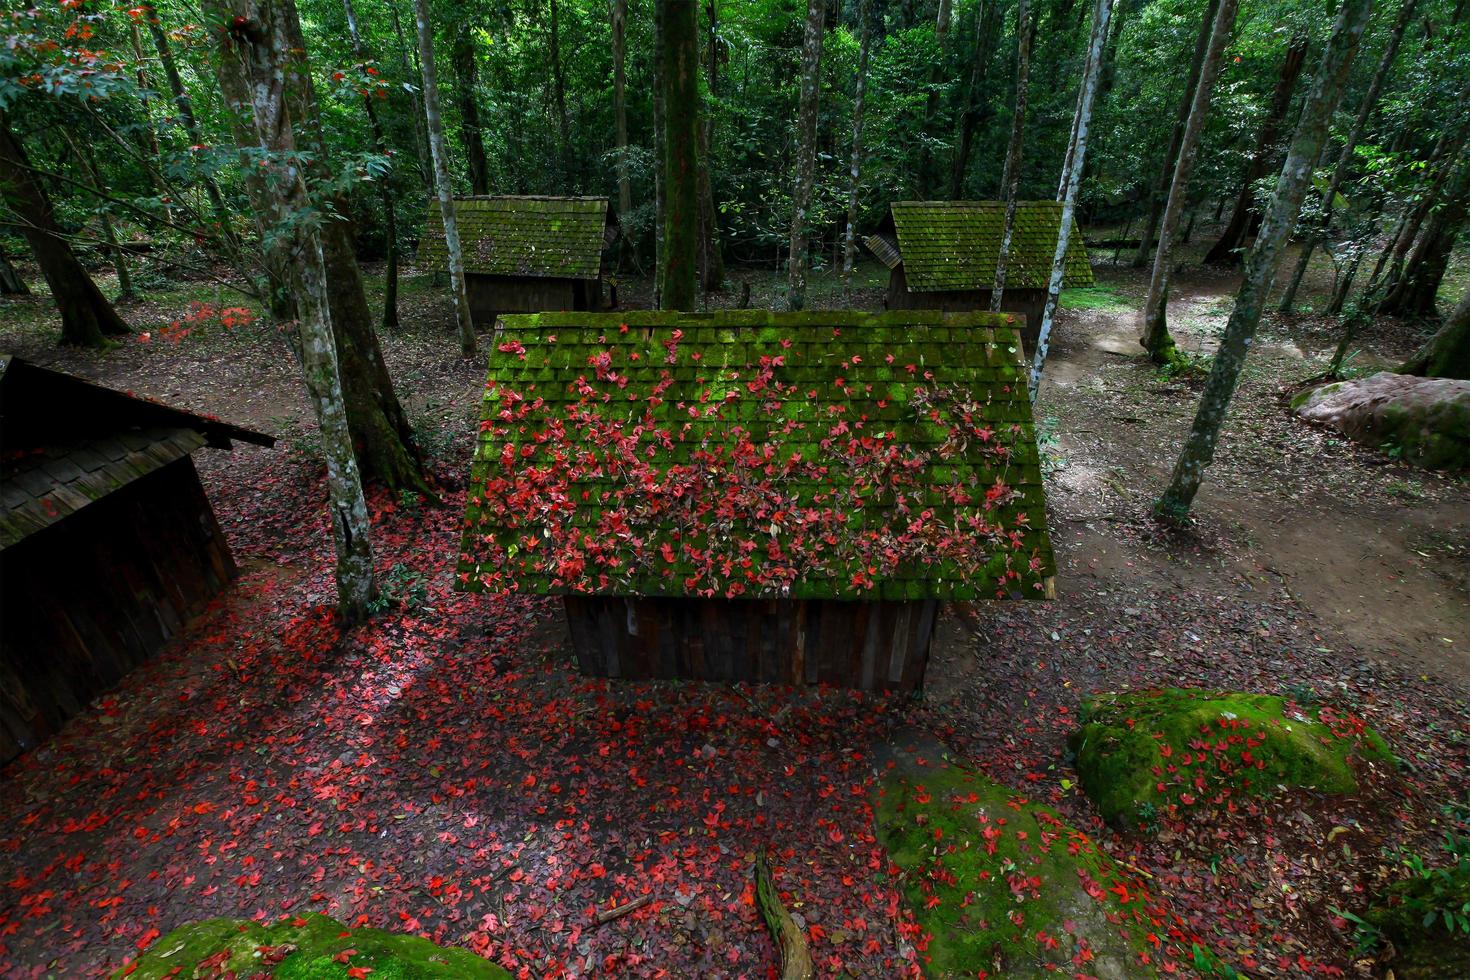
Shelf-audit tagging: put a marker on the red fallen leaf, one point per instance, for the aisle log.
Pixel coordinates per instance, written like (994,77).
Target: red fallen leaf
(358,972)
(146,940)
(345,955)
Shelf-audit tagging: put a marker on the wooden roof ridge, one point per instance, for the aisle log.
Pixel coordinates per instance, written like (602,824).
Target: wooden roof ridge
(23,380)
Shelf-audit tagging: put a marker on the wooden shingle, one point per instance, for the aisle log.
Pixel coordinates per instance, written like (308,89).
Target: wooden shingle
(955,245)
(543,237)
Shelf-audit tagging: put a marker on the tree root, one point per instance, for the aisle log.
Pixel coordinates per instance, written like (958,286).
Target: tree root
(796,958)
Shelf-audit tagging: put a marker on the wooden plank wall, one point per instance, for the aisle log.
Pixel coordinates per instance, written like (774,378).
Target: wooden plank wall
(874,646)
(88,599)
(491,296)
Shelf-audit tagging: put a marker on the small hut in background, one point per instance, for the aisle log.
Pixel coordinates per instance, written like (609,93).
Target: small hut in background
(107,541)
(942,255)
(526,254)
(751,496)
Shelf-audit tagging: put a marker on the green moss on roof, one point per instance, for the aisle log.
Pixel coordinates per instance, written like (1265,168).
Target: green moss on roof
(302,948)
(955,245)
(545,237)
(745,453)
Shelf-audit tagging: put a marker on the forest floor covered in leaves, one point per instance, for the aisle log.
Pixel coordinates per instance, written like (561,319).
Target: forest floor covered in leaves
(444,770)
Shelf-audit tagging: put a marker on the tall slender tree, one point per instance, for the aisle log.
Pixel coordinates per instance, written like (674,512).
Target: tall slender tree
(619,14)
(1345,157)
(806,152)
(467,86)
(434,121)
(711,263)
(1160,191)
(385,184)
(943,14)
(1071,181)
(1226,251)
(1265,258)
(257,52)
(87,317)
(855,170)
(1011,174)
(1156,339)
(679,52)
(974,105)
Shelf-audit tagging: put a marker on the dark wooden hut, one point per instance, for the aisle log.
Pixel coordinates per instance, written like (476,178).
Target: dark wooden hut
(107,541)
(942,256)
(526,254)
(744,495)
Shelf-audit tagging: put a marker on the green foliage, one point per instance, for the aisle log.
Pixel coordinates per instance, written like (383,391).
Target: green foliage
(1176,748)
(401,587)
(302,948)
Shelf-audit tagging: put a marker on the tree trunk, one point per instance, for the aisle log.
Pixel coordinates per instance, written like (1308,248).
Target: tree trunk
(1345,158)
(849,238)
(409,57)
(679,52)
(1226,251)
(11,284)
(258,58)
(1265,257)
(931,102)
(1156,339)
(87,318)
(559,92)
(1447,354)
(435,123)
(711,264)
(1160,191)
(1011,174)
(974,101)
(467,79)
(109,234)
(661,150)
(806,152)
(385,186)
(184,106)
(796,957)
(1414,292)
(1071,180)
(1453,162)
(620,102)
(382,435)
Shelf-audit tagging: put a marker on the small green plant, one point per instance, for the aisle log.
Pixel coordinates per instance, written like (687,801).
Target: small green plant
(1185,365)
(1208,964)
(1047,443)
(1300,692)
(401,586)
(411,502)
(1404,489)
(1148,817)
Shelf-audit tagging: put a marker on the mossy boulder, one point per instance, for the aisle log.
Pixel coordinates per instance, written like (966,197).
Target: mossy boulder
(1004,887)
(306,947)
(1427,420)
(1161,752)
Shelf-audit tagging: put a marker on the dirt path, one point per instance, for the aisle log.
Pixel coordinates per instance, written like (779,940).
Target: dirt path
(1375,551)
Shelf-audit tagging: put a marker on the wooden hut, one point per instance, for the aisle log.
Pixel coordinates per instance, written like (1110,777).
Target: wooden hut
(526,254)
(107,541)
(744,495)
(942,256)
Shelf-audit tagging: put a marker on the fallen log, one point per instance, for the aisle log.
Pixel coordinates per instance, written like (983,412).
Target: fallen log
(796,958)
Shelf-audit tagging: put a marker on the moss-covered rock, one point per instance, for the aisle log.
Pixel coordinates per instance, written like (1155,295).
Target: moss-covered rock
(1141,753)
(303,948)
(1426,420)
(1004,887)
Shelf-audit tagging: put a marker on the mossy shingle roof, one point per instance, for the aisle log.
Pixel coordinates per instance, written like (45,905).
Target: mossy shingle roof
(746,453)
(955,245)
(544,237)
